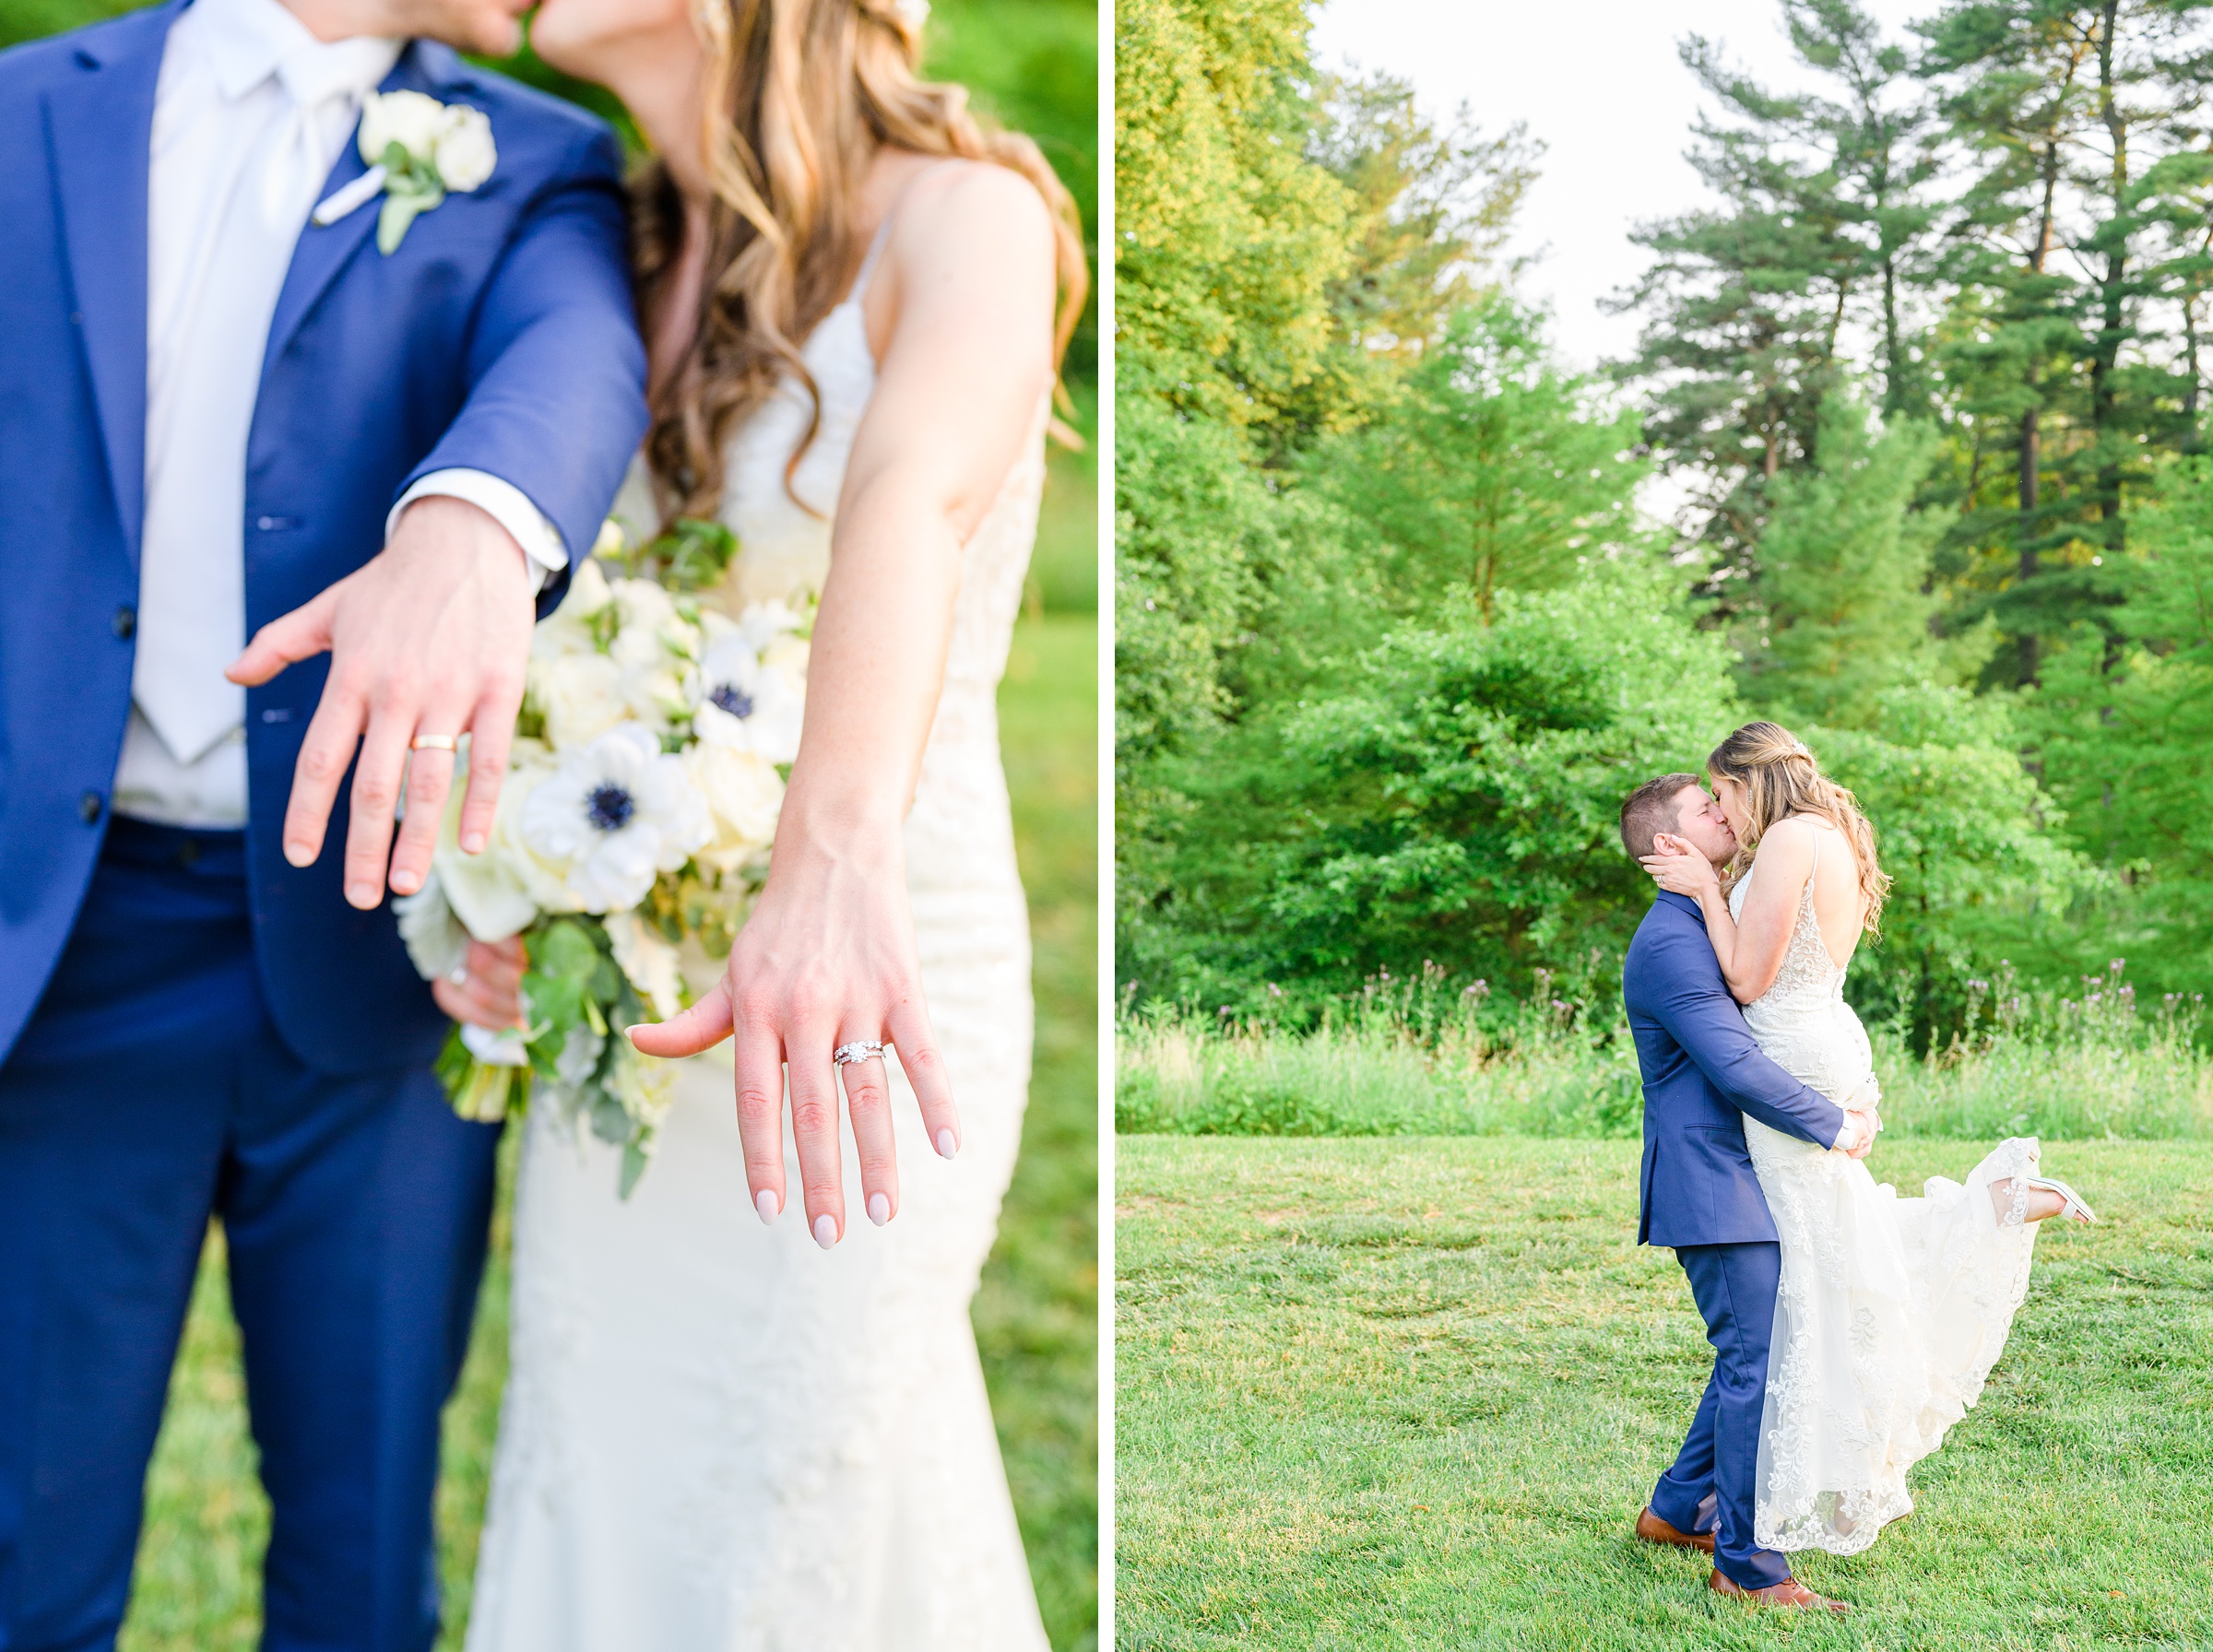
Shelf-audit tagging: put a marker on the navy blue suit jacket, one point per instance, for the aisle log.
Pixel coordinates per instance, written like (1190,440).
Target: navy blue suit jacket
(1702,1074)
(499,336)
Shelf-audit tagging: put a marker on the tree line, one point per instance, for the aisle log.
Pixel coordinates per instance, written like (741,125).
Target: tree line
(1393,638)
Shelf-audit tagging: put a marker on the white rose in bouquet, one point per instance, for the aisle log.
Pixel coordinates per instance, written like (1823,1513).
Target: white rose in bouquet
(582,697)
(436,941)
(615,812)
(464,153)
(656,649)
(492,894)
(568,629)
(744,793)
(648,960)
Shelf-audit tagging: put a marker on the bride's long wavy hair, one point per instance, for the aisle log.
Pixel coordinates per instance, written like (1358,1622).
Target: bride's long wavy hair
(1780,778)
(800,97)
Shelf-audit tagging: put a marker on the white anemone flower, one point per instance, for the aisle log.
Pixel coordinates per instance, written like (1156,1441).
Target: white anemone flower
(615,812)
(746,705)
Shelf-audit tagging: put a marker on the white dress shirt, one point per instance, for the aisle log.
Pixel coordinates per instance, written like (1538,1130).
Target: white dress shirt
(250,114)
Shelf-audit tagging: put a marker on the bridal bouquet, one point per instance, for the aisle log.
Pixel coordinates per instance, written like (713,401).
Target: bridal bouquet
(633,834)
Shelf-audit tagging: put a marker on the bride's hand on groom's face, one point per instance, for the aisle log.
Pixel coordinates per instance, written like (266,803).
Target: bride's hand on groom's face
(826,958)
(428,641)
(1678,868)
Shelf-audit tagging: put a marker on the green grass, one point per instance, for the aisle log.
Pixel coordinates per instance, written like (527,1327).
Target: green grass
(197,1587)
(1412,1393)
(1377,1071)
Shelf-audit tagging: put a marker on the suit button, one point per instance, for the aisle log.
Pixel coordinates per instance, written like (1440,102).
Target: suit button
(126,622)
(89,806)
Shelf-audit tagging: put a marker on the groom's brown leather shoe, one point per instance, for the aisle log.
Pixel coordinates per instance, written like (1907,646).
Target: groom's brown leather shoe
(1653,1529)
(1789,1592)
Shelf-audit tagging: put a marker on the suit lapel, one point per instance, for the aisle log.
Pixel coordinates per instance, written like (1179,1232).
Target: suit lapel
(100,131)
(323,251)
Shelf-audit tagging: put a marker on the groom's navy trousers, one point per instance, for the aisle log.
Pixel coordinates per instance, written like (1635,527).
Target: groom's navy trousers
(1703,1073)
(150,1090)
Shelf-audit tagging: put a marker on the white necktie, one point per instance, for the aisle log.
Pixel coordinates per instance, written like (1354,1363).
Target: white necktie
(192,577)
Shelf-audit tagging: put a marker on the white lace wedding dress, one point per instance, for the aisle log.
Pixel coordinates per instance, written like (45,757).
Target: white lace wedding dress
(1891,1311)
(717,1437)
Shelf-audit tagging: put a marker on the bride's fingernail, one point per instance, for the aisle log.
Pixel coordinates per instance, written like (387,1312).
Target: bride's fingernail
(946,1147)
(880,1208)
(825,1230)
(764,1201)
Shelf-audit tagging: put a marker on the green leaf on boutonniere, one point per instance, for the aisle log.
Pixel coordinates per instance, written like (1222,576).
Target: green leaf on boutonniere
(404,200)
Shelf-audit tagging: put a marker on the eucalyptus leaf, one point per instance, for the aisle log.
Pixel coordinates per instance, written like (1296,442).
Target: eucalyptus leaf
(393,218)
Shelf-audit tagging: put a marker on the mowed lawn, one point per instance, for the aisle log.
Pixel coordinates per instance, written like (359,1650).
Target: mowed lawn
(1412,1393)
(197,1587)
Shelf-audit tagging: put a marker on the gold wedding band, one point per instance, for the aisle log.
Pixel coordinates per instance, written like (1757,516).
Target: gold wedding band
(431,742)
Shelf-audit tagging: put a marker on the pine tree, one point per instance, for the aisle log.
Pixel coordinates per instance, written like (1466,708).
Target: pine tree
(2071,247)
(1845,610)
(1753,305)
(1490,469)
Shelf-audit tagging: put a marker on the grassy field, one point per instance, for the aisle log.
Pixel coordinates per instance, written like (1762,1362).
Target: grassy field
(1411,1393)
(198,1587)
(2081,1068)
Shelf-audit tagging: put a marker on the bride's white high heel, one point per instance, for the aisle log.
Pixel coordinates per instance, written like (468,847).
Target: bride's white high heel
(2072,1205)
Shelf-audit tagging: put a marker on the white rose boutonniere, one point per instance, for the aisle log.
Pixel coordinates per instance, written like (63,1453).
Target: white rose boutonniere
(419,152)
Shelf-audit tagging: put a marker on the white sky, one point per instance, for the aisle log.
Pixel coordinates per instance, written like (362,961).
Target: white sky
(1599,82)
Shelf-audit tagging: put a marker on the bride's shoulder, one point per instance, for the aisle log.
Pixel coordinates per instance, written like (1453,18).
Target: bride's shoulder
(1788,845)
(972,213)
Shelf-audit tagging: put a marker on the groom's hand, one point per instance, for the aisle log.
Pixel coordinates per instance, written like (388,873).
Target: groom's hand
(428,641)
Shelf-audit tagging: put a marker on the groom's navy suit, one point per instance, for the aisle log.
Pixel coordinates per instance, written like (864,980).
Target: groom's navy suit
(187,1023)
(1700,1194)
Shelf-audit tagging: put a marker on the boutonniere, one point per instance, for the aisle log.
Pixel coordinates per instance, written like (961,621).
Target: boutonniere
(419,152)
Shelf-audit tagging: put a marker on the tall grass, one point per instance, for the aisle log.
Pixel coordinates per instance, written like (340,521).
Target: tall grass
(1419,1057)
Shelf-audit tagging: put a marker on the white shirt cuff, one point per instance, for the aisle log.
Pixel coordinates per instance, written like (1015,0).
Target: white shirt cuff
(1848,1136)
(506,504)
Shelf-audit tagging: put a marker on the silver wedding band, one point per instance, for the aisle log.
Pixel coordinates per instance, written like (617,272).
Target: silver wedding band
(860,1049)
(431,742)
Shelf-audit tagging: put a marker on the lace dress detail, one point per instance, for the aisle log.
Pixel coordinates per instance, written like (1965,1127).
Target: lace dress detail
(717,1437)
(1890,1312)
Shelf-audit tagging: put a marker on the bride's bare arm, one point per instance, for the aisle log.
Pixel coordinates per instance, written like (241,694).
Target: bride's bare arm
(1750,948)
(827,956)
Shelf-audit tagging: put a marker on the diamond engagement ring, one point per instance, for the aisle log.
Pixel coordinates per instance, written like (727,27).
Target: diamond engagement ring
(862,1049)
(431,742)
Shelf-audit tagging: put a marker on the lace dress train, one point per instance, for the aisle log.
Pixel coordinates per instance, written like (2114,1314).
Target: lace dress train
(1890,1311)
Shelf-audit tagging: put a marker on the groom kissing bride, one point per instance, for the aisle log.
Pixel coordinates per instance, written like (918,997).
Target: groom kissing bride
(1851,1328)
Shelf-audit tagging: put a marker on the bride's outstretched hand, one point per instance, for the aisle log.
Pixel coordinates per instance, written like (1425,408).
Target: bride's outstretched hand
(826,961)
(1680,868)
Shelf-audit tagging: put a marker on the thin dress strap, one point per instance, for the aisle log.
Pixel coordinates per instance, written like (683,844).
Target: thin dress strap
(884,230)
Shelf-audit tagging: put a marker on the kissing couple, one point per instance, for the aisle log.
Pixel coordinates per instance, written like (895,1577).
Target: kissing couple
(326,354)
(1851,1328)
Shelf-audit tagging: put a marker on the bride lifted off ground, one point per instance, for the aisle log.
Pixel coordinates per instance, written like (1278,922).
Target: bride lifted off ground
(1890,1311)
